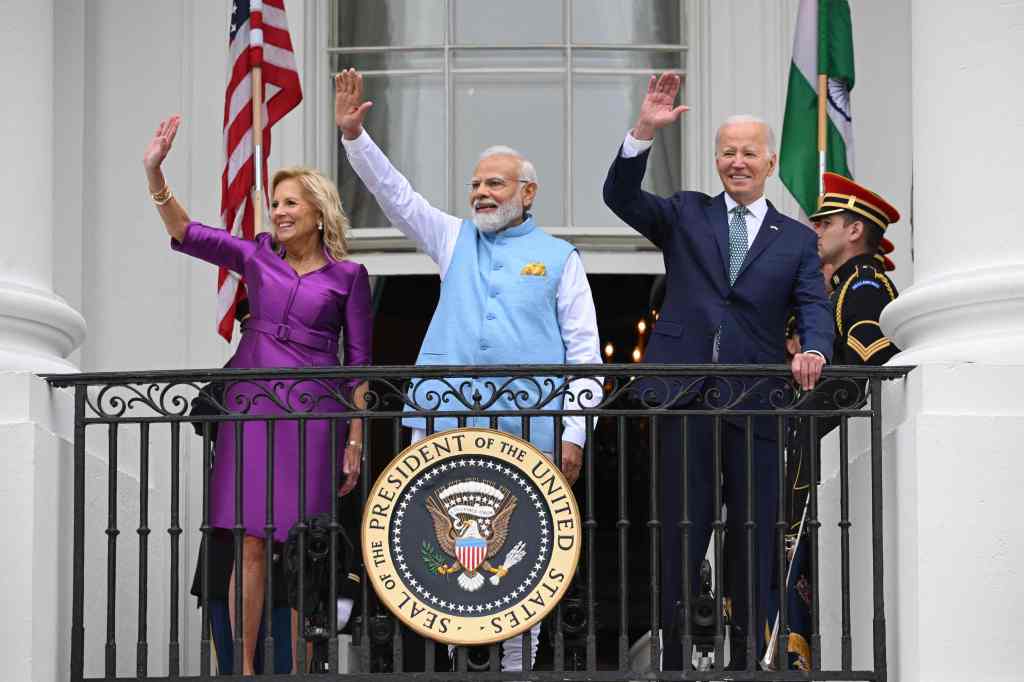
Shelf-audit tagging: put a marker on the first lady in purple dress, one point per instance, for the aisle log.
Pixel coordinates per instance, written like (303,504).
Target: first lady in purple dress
(303,294)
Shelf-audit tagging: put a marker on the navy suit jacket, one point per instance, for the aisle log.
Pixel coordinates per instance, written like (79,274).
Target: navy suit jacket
(781,272)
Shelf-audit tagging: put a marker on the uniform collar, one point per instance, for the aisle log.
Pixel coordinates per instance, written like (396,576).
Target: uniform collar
(849,267)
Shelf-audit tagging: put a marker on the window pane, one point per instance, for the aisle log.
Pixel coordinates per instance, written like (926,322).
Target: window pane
(387,22)
(420,60)
(407,122)
(626,21)
(526,112)
(605,108)
(650,60)
(508,22)
(506,60)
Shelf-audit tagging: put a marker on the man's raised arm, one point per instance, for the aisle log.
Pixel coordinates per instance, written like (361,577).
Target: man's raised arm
(647,213)
(432,229)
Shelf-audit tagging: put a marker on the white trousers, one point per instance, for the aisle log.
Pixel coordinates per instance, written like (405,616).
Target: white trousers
(512,651)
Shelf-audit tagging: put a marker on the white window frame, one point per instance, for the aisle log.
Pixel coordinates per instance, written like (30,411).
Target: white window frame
(603,246)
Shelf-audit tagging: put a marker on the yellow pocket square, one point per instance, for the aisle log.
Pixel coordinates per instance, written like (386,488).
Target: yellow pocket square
(536,269)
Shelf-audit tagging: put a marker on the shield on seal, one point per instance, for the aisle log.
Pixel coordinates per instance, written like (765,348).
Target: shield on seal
(470,552)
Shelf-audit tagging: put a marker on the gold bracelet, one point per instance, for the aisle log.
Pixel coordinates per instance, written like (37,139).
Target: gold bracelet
(355,443)
(163,196)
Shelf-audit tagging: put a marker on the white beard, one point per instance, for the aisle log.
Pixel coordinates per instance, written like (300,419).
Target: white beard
(500,219)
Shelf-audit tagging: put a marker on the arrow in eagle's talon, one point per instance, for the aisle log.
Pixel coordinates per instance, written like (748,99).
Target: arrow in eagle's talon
(514,556)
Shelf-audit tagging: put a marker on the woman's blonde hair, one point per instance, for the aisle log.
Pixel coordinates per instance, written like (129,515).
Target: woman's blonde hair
(324,196)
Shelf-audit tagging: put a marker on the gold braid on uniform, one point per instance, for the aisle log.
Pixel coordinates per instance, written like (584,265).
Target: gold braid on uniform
(885,283)
(842,297)
(876,339)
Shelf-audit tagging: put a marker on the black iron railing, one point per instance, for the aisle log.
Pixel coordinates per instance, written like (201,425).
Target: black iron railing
(616,592)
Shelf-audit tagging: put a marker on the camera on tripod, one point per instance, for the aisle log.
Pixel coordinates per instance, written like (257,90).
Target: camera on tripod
(313,572)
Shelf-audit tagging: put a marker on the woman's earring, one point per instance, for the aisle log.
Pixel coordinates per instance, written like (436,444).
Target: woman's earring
(320,226)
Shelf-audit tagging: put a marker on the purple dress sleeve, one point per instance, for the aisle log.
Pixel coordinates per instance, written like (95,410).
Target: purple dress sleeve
(216,246)
(358,324)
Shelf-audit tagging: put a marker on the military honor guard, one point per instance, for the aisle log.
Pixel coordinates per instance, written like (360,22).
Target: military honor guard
(851,221)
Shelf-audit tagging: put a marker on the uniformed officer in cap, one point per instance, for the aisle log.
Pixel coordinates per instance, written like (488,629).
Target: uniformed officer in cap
(851,221)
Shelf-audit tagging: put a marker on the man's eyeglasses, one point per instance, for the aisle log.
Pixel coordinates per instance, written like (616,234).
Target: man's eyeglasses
(495,184)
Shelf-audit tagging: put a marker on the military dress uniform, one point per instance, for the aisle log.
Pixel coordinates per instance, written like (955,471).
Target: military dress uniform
(860,291)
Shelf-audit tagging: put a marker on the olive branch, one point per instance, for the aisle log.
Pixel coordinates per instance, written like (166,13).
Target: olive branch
(432,557)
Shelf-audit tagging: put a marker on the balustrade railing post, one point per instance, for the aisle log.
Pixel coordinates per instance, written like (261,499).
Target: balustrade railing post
(78,544)
(623,525)
(269,659)
(205,652)
(590,524)
(174,531)
(844,539)
(654,529)
(813,524)
(142,647)
(877,530)
(718,527)
(110,653)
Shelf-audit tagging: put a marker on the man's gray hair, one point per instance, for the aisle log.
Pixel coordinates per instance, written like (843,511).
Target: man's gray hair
(526,169)
(748,118)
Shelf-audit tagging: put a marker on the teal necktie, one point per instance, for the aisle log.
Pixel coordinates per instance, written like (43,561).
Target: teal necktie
(737,241)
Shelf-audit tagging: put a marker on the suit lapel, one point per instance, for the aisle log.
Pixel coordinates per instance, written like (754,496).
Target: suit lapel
(715,211)
(771,228)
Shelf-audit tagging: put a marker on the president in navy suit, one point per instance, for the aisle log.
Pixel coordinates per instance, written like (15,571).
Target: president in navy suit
(734,267)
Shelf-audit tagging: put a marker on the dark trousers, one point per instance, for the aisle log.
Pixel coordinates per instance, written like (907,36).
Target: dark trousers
(220,628)
(699,497)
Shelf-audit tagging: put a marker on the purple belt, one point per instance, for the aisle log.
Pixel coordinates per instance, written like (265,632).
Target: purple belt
(283,332)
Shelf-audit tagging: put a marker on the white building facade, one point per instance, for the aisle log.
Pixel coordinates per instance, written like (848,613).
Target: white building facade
(88,281)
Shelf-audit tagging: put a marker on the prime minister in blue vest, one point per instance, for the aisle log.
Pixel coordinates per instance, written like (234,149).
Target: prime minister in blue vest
(734,268)
(510,292)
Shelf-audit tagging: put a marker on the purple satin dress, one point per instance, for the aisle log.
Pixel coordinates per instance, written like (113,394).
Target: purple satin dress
(295,322)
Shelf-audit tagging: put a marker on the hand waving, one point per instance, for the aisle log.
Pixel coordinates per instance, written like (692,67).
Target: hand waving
(160,145)
(658,109)
(349,107)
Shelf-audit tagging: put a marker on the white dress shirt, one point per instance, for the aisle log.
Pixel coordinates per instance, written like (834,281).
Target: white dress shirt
(436,233)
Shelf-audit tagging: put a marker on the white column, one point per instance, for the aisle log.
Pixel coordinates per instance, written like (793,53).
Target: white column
(38,329)
(967,301)
(954,468)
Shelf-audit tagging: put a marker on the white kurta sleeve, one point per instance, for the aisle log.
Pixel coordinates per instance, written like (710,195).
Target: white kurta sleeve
(577,320)
(432,229)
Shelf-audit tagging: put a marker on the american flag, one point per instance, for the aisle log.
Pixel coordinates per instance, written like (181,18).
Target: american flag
(258,37)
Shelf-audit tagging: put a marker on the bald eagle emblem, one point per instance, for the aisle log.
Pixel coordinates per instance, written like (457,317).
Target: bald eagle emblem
(471,520)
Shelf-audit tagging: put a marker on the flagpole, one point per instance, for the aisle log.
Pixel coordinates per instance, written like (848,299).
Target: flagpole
(822,129)
(257,149)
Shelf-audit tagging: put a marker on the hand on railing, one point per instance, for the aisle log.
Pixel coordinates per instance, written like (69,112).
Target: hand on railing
(807,369)
(572,460)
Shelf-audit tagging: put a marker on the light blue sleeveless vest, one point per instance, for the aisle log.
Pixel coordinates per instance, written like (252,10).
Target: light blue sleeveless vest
(497,307)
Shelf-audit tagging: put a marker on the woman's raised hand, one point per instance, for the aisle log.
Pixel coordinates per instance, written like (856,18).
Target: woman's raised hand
(349,107)
(160,145)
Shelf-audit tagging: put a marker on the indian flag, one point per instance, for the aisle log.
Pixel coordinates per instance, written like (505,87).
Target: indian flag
(823,45)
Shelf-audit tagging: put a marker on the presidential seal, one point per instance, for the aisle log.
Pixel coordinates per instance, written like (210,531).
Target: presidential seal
(471,536)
